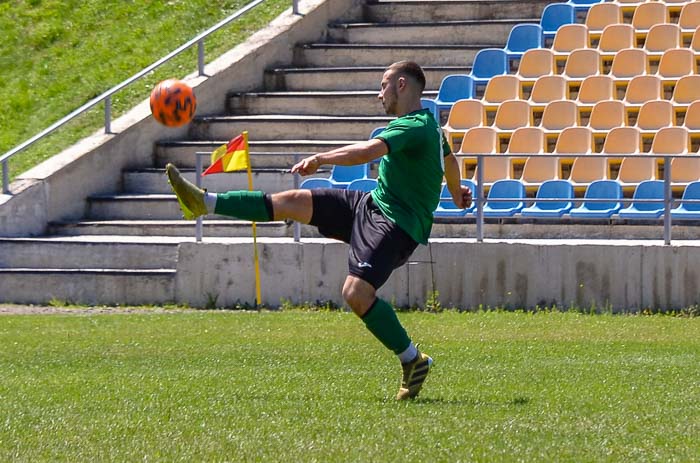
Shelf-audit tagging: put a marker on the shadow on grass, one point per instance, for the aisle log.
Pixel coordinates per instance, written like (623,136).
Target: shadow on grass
(515,401)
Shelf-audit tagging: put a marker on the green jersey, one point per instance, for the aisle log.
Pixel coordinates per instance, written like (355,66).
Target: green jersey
(410,174)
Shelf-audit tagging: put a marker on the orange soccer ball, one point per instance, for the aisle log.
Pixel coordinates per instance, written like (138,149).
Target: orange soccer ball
(173,103)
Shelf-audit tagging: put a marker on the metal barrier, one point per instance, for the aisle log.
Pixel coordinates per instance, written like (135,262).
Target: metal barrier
(107,96)
(667,199)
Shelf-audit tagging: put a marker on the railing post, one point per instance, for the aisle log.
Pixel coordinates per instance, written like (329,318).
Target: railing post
(479,198)
(6,176)
(108,114)
(667,200)
(198,181)
(297,226)
(295,6)
(200,56)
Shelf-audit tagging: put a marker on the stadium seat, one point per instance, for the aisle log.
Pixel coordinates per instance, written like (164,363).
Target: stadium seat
(504,189)
(499,89)
(636,169)
(593,89)
(452,88)
(686,210)
(573,142)
(478,140)
(654,115)
(511,114)
(675,141)
(427,103)
(586,170)
(488,62)
(447,208)
(687,90)
(530,140)
(522,37)
(569,37)
(557,116)
(661,37)
(646,190)
(546,90)
(605,116)
(551,189)
(689,19)
(626,64)
(363,184)
(534,64)
(600,189)
(647,15)
(341,176)
(691,121)
(695,41)
(582,63)
(554,16)
(312,183)
(376,132)
(464,115)
(599,16)
(675,63)
(640,90)
(621,141)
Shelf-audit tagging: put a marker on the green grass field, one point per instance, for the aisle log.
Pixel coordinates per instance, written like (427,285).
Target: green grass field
(57,55)
(314,386)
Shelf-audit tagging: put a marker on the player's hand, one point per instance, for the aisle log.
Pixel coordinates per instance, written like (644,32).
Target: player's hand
(306,166)
(464,199)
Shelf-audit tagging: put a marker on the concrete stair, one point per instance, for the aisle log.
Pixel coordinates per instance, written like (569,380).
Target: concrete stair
(125,248)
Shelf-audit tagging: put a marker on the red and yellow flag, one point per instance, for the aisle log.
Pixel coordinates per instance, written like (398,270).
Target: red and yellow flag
(230,157)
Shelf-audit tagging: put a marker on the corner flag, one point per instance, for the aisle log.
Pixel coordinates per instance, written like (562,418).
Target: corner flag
(230,157)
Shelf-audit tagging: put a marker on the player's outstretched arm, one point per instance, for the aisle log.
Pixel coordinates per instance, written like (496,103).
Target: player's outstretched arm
(461,195)
(350,155)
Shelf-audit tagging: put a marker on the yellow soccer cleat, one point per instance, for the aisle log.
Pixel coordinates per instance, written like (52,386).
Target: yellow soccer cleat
(414,374)
(190,197)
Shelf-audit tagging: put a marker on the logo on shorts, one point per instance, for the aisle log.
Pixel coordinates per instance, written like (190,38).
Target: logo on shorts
(364,265)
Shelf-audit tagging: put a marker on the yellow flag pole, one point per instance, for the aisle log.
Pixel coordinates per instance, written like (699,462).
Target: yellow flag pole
(256,262)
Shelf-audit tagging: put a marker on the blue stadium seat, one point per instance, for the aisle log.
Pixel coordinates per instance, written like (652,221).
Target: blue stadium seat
(427,103)
(522,38)
(376,132)
(688,211)
(488,62)
(600,189)
(341,176)
(452,88)
(649,189)
(505,189)
(447,208)
(554,16)
(551,189)
(363,184)
(311,183)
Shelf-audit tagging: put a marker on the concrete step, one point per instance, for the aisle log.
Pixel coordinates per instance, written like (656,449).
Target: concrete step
(326,103)
(339,54)
(87,286)
(286,127)
(346,78)
(456,32)
(82,252)
(153,181)
(133,207)
(280,154)
(171,228)
(401,11)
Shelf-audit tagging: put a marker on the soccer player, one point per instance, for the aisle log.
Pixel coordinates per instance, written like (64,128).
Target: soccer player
(383,227)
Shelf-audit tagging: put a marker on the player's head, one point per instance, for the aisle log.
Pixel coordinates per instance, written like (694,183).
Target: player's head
(402,86)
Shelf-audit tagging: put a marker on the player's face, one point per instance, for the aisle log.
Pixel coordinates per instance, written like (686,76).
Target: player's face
(389,94)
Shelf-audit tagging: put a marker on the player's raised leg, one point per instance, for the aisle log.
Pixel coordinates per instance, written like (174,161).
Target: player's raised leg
(247,205)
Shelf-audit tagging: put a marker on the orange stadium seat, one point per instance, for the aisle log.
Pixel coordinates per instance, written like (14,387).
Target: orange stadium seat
(692,123)
(572,142)
(535,63)
(557,116)
(689,19)
(640,90)
(585,169)
(676,141)
(464,115)
(661,37)
(477,140)
(546,90)
(654,115)
(593,89)
(675,63)
(647,15)
(626,64)
(695,43)
(614,38)
(621,141)
(581,63)
(511,115)
(605,116)
(599,16)
(568,38)
(499,89)
(526,140)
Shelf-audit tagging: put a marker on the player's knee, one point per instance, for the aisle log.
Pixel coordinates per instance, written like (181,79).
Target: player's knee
(359,295)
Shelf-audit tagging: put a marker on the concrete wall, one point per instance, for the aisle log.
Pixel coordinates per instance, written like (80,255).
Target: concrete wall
(618,276)
(57,189)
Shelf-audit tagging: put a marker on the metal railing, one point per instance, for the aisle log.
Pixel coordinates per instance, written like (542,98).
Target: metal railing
(106,97)
(667,200)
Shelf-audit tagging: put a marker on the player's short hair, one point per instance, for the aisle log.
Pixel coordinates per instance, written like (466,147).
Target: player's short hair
(410,69)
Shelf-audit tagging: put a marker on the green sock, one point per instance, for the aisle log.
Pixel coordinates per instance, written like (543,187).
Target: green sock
(382,322)
(246,205)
